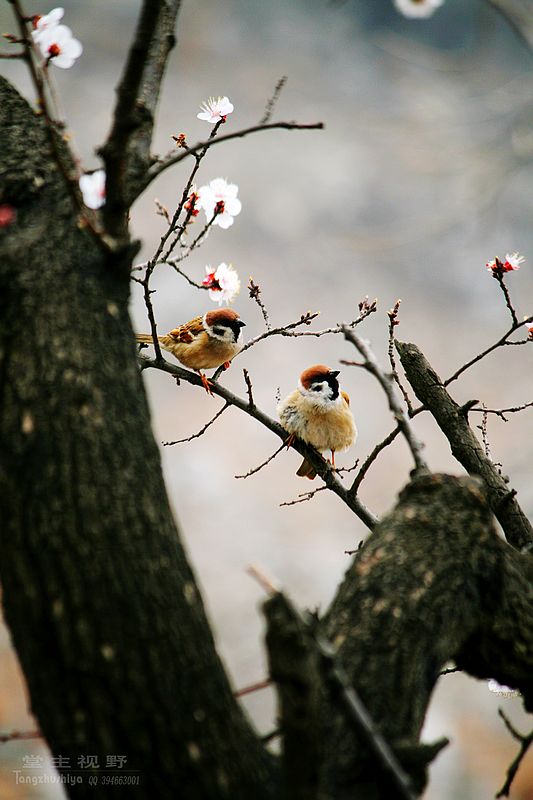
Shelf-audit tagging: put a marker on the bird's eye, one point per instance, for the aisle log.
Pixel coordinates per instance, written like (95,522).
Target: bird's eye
(316,388)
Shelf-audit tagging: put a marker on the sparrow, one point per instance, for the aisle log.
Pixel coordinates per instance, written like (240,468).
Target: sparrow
(318,413)
(203,343)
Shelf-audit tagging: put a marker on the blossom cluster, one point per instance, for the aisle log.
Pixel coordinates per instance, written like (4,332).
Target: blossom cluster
(55,41)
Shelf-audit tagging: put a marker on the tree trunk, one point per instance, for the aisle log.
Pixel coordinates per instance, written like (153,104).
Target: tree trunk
(100,600)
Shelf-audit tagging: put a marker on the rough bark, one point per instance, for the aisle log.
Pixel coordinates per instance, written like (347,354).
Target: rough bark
(453,421)
(100,600)
(433,582)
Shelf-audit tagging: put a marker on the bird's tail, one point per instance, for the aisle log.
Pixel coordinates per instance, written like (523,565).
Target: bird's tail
(144,338)
(305,470)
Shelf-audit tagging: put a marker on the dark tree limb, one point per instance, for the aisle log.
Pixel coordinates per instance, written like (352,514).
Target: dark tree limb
(294,665)
(126,151)
(101,603)
(432,583)
(453,422)
(525,743)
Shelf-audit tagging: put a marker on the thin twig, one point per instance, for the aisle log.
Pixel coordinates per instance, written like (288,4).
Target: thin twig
(365,309)
(501,341)
(367,463)
(255,292)
(302,498)
(497,274)
(15,736)
(161,166)
(268,460)
(267,584)
(387,384)
(253,687)
(271,103)
(202,431)
(500,412)
(393,321)
(284,330)
(249,389)
(525,742)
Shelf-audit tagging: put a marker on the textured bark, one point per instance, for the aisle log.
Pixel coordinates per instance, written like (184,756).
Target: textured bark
(101,603)
(433,582)
(453,421)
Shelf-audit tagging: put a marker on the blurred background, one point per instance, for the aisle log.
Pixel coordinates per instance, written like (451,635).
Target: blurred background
(422,174)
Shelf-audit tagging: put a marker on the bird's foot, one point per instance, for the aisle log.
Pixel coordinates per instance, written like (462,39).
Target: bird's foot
(289,441)
(206,384)
(226,364)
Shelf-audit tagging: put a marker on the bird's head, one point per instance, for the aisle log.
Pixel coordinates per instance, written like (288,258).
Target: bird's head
(224,324)
(319,384)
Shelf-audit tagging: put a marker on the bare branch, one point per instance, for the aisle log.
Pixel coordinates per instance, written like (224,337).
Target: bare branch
(498,274)
(303,497)
(365,309)
(500,343)
(253,687)
(465,446)
(255,293)
(271,104)
(500,412)
(202,431)
(393,321)
(248,383)
(367,463)
(15,736)
(268,460)
(126,120)
(525,742)
(161,166)
(387,384)
(284,330)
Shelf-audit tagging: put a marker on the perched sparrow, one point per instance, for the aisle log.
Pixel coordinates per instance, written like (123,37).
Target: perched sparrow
(319,414)
(203,343)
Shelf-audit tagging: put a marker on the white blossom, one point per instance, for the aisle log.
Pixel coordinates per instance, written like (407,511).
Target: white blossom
(46,22)
(57,44)
(417,9)
(221,197)
(215,109)
(223,283)
(92,186)
(510,264)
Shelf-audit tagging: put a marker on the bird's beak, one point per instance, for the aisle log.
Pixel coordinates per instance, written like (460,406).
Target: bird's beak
(241,323)
(335,372)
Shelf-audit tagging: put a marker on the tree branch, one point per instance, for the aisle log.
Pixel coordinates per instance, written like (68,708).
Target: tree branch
(161,166)
(129,139)
(465,446)
(433,583)
(321,466)
(387,384)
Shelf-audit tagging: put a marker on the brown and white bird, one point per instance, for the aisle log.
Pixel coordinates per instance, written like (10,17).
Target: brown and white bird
(318,413)
(203,343)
